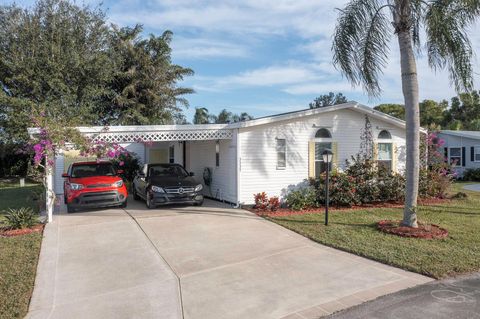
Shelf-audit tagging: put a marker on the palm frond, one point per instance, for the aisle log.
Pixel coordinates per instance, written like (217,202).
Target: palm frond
(447,23)
(360,45)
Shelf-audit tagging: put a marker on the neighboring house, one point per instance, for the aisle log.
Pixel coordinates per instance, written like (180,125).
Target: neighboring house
(266,154)
(462,149)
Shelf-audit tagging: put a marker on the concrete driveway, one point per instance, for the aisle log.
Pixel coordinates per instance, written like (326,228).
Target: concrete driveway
(196,262)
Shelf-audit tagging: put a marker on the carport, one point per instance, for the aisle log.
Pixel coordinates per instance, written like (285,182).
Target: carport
(196,147)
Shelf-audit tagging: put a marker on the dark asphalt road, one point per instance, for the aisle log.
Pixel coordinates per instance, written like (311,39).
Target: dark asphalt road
(456,298)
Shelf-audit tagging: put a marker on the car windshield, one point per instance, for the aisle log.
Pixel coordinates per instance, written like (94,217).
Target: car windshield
(167,171)
(87,170)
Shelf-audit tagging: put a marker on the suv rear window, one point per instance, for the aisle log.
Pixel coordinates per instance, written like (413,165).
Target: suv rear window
(87,170)
(167,170)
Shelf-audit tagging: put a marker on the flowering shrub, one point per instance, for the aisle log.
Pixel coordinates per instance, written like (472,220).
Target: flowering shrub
(274,203)
(129,163)
(342,191)
(261,201)
(436,178)
(302,198)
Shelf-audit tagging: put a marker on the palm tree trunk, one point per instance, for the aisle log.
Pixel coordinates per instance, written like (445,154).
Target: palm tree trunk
(410,94)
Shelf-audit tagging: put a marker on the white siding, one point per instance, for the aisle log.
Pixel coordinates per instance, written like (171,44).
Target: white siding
(258,155)
(458,141)
(201,154)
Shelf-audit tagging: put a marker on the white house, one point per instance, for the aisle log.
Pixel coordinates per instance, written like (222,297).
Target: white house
(266,154)
(462,149)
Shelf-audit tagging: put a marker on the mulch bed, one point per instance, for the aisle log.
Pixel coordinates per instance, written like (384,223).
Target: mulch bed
(281,212)
(19,232)
(427,231)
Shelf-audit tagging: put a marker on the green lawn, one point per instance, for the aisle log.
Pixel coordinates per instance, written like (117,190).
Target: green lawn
(355,231)
(18,255)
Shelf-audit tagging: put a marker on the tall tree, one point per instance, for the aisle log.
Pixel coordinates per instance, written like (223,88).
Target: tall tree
(463,111)
(395,110)
(201,116)
(432,112)
(52,55)
(224,117)
(328,100)
(361,46)
(144,86)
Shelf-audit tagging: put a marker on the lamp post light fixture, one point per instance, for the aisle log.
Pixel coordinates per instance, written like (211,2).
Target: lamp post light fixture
(327,156)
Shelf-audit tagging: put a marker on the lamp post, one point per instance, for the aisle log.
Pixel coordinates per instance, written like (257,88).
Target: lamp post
(327,156)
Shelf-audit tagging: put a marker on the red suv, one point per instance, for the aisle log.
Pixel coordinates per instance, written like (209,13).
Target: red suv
(93,184)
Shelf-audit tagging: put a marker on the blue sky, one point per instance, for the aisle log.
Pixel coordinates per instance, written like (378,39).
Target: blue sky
(263,56)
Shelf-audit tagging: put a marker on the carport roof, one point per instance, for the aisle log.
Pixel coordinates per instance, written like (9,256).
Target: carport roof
(153,133)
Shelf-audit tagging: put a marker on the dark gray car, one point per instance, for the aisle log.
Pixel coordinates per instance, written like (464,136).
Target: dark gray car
(161,184)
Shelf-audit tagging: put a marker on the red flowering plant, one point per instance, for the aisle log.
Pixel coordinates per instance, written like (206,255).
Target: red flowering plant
(274,203)
(436,174)
(261,201)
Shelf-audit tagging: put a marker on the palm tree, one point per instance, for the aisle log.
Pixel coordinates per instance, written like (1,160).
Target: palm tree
(361,46)
(201,116)
(224,117)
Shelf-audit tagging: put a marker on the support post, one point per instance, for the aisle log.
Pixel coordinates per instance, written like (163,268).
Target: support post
(50,193)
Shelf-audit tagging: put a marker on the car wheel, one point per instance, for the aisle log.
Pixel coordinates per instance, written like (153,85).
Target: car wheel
(150,204)
(70,209)
(135,195)
(65,199)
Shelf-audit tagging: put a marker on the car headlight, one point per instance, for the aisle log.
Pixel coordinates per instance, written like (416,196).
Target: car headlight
(199,187)
(118,184)
(76,187)
(157,189)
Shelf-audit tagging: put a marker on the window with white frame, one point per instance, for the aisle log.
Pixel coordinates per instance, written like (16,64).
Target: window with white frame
(476,157)
(385,156)
(171,154)
(455,154)
(320,165)
(281,153)
(217,154)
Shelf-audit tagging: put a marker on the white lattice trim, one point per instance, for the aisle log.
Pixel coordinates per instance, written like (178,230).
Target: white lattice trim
(177,135)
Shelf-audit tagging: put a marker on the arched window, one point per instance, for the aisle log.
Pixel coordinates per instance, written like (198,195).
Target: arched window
(384,135)
(323,133)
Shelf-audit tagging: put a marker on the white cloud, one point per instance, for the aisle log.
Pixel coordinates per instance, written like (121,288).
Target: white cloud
(303,17)
(321,87)
(270,76)
(203,48)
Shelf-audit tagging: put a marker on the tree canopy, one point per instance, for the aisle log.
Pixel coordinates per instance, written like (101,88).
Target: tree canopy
(202,116)
(462,113)
(328,100)
(68,61)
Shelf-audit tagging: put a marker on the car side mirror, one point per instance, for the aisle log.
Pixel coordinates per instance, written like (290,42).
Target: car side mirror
(65,175)
(191,174)
(120,171)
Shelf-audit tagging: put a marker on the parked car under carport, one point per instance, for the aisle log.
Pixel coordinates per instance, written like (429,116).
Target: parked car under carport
(162,184)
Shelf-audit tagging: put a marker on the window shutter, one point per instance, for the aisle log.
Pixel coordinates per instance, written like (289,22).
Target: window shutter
(335,155)
(472,154)
(394,157)
(311,159)
(446,154)
(464,154)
